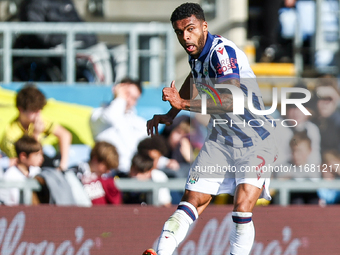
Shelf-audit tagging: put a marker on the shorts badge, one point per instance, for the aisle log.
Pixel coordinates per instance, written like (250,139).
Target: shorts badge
(193,178)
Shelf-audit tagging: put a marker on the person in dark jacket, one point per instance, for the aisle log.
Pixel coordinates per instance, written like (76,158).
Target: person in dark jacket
(50,11)
(48,68)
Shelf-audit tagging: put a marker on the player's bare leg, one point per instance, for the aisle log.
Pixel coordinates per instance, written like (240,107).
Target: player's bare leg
(177,226)
(243,232)
(197,199)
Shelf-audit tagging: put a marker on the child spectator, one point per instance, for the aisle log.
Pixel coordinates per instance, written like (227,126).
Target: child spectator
(299,122)
(100,187)
(301,149)
(177,136)
(30,101)
(156,148)
(142,168)
(30,158)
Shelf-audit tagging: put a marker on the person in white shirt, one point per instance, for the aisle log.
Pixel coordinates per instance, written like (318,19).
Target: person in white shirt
(30,158)
(119,124)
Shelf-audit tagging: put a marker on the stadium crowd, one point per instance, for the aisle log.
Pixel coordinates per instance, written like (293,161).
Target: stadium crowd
(123,150)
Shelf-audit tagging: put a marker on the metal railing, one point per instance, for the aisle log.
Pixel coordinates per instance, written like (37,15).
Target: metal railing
(282,187)
(26,188)
(133,31)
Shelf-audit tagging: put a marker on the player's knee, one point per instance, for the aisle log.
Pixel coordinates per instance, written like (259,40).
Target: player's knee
(198,200)
(244,206)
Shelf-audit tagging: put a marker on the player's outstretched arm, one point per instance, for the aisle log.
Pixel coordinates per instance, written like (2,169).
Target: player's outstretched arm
(187,91)
(178,103)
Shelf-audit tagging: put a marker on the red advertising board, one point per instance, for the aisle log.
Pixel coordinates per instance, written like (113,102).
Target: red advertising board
(131,229)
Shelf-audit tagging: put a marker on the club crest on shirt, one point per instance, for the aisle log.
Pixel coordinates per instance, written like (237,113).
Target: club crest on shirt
(193,178)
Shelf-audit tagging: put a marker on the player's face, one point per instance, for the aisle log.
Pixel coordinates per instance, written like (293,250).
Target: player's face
(191,34)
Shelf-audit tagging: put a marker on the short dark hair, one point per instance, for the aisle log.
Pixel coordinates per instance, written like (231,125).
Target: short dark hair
(300,137)
(186,10)
(142,163)
(153,143)
(30,98)
(27,144)
(328,81)
(134,82)
(105,153)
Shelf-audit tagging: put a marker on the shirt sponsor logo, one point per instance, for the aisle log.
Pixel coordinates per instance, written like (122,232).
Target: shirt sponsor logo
(226,65)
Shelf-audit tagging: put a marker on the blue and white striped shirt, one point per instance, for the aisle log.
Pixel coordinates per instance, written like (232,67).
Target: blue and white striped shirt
(219,61)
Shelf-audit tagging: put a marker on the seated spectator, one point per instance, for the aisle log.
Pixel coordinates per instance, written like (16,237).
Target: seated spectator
(301,149)
(43,68)
(118,122)
(50,11)
(142,169)
(30,101)
(265,26)
(328,114)
(330,165)
(155,147)
(100,187)
(299,122)
(330,171)
(178,142)
(30,158)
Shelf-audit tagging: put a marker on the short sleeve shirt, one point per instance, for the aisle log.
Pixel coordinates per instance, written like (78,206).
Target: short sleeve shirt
(15,130)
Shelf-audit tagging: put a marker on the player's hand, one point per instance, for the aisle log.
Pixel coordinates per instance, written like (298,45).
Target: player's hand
(157,119)
(171,94)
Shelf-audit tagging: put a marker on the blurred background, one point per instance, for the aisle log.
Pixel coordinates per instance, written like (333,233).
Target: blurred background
(77,51)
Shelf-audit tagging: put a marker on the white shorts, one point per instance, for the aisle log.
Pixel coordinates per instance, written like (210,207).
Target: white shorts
(219,168)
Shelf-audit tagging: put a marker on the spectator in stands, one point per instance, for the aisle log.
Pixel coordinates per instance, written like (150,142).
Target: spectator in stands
(30,158)
(301,148)
(142,169)
(268,24)
(178,140)
(118,122)
(328,114)
(330,171)
(50,68)
(4,161)
(155,147)
(299,122)
(50,11)
(30,101)
(100,187)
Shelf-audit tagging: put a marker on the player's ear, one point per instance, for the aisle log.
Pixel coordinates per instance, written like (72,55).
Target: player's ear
(205,26)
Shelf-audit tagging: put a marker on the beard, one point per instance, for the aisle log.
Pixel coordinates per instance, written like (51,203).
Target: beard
(199,47)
